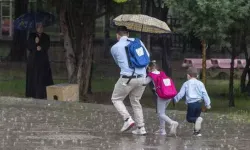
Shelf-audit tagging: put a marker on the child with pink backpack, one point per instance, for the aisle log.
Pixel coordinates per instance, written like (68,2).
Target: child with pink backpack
(165,91)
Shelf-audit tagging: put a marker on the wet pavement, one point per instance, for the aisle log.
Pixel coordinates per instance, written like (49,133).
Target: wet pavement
(27,124)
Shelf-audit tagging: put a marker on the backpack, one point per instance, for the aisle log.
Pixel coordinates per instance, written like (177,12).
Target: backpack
(137,55)
(164,85)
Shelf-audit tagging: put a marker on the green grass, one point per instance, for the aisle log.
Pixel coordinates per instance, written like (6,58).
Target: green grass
(4,50)
(12,83)
(15,87)
(217,90)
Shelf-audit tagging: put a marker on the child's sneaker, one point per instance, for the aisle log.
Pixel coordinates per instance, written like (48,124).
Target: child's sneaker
(140,131)
(128,124)
(197,133)
(173,128)
(198,122)
(160,132)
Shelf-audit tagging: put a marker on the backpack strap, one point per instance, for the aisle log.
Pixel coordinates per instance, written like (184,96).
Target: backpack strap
(131,77)
(128,57)
(129,62)
(163,74)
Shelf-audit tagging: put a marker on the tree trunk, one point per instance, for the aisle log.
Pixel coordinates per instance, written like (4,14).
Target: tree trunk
(69,52)
(149,13)
(231,80)
(145,37)
(91,75)
(18,48)
(166,54)
(204,64)
(78,26)
(84,59)
(245,73)
(246,70)
(106,32)
(248,84)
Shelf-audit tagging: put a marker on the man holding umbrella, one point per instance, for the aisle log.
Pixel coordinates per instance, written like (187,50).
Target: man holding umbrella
(130,82)
(132,75)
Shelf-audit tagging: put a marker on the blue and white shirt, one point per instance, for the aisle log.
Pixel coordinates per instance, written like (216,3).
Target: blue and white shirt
(194,91)
(119,54)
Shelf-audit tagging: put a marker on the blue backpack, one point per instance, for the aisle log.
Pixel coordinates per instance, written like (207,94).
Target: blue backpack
(137,55)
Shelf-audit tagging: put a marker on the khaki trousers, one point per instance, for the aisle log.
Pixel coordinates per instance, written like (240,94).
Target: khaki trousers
(135,90)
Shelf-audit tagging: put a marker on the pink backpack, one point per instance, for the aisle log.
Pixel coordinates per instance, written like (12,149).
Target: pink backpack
(164,86)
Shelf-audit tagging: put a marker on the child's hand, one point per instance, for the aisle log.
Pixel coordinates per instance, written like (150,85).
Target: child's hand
(208,107)
(175,101)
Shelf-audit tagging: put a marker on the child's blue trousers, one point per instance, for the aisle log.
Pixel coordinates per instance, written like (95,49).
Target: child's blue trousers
(193,111)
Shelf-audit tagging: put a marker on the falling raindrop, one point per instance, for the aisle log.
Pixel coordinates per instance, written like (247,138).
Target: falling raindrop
(74,141)
(42,142)
(55,143)
(62,142)
(155,141)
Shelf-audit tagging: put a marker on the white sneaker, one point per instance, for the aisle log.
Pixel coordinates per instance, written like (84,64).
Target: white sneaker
(160,132)
(140,131)
(128,125)
(173,128)
(197,134)
(197,125)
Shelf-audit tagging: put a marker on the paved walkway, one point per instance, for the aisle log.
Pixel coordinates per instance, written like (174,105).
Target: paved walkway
(27,124)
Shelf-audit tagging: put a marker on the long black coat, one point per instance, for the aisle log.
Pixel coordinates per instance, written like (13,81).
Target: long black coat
(38,73)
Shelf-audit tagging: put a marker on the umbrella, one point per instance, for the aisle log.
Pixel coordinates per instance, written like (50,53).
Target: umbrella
(142,23)
(28,21)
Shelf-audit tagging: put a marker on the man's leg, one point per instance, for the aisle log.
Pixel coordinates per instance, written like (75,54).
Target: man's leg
(119,94)
(135,97)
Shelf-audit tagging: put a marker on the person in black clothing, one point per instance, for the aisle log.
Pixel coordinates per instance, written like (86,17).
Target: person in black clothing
(38,73)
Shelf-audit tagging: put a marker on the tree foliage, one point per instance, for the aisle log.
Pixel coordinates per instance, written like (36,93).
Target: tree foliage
(216,21)
(205,19)
(120,1)
(211,20)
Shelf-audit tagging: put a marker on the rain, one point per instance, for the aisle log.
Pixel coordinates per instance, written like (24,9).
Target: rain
(67,67)
(74,126)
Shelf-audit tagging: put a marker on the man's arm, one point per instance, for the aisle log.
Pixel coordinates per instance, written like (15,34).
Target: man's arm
(114,54)
(181,94)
